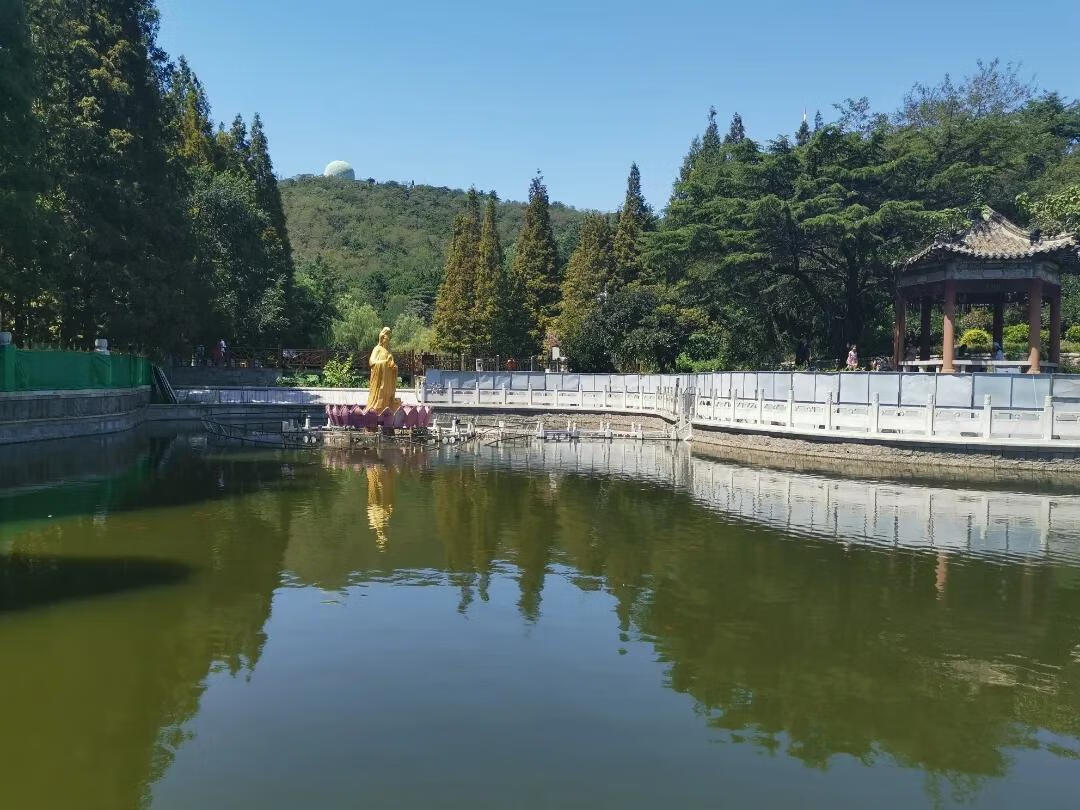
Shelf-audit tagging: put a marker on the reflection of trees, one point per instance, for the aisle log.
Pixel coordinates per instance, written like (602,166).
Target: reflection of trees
(808,646)
(96,691)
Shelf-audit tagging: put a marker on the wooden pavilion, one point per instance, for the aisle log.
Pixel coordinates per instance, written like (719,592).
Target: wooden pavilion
(993,262)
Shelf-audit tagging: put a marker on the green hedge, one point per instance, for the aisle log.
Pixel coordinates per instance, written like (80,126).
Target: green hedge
(32,370)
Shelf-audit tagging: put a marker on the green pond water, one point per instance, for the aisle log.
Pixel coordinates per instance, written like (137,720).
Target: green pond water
(184,625)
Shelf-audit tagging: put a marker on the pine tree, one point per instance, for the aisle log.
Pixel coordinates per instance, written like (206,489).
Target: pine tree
(736,132)
(454,307)
(819,122)
(802,135)
(535,271)
(635,218)
(490,288)
(588,274)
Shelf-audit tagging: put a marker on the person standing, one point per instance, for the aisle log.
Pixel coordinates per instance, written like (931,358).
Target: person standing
(853,358)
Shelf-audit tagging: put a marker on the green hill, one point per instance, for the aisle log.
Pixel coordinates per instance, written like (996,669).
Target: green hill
(384,242)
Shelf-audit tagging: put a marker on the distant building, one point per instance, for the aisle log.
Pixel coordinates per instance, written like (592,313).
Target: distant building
(339,168)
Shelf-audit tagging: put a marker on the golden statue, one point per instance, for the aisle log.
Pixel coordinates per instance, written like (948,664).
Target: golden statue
(383,383)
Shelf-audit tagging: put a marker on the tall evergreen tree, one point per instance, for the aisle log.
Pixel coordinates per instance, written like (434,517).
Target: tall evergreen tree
(710,141)
(20,280)
(736,132)
(121,245)
(536,266)
(635,218)
(234,145)
(591,268)
(454,308)
(819,122)
(802,136)
(490,289)
(194,132)
(261,169)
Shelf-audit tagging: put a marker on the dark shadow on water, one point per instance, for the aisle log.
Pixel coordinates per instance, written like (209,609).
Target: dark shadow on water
(30,581)
(75,477)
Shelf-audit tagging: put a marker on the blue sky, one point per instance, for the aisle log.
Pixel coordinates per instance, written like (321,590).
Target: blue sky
(486,93)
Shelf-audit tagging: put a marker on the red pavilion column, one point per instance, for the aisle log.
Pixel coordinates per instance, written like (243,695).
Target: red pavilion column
(1034,324)
(947,348)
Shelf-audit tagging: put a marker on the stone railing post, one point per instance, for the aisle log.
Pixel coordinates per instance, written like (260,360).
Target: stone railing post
(1048,419)
(760,406)
(476,391)
(580,396)
(607,390)
(504,394)
(930,410)
(987,416)
(422,391)
(791,407)
(530,394)
(450,393)
(715,402)
(555,395)
(875,413)
(731,405)
(828,410)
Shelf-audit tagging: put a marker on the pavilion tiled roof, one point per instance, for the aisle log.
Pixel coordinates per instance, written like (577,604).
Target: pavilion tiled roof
(991,236)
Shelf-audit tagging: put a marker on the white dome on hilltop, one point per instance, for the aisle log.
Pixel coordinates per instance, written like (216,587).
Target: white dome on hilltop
(339,168)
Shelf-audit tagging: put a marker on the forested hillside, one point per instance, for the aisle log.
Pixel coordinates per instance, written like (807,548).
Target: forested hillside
(385,243)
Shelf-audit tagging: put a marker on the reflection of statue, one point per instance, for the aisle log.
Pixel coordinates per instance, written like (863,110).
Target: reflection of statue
(380,498)
(383,384)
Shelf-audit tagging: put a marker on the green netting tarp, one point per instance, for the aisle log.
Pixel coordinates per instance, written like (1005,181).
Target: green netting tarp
(32,370)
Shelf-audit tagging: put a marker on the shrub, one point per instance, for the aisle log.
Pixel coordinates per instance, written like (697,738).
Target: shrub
(977,340)
(977,318)
(1017,333)
(339,374)
(1072,334)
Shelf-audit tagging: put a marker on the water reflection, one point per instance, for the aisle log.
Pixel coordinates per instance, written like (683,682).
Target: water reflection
(803,615)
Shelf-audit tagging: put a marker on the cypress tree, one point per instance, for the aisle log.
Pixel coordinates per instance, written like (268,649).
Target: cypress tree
(736,132)
(588,274)
(634,219)
(819,122)
(454,307)
(490,288)
(535,270)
